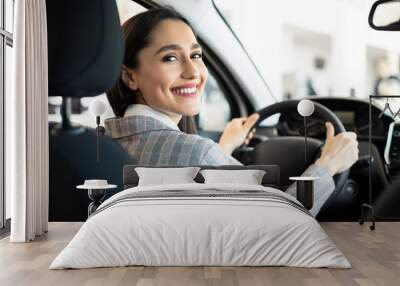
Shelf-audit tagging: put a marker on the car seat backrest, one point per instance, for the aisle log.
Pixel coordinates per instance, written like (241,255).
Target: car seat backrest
(85,46)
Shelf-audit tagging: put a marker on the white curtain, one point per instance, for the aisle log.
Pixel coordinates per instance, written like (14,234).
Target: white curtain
(27,124)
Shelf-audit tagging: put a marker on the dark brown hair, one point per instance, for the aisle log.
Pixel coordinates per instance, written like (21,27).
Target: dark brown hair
(137,31)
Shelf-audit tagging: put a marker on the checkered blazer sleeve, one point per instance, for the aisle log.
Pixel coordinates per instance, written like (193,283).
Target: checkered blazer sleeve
(216,156)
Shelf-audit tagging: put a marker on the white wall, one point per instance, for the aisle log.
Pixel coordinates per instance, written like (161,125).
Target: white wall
(284,37)
(252,23)
(349,52)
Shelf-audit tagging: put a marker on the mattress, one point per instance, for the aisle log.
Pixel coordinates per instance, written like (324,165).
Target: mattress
(201,225)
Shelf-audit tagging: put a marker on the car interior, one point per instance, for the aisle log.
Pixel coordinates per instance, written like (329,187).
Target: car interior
(286,133)
(83,211)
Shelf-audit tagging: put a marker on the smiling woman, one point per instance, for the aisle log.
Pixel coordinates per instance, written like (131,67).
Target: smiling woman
(152,67)
(172,76)
(159,90)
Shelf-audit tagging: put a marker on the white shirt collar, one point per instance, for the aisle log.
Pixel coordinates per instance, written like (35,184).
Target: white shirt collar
(145,110)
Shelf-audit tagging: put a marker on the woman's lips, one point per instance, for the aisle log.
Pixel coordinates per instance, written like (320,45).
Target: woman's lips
(188,91)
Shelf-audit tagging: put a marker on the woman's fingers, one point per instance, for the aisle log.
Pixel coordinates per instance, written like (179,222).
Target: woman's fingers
(251,133)
(352,135)
(251,120)
(340,152)
(242,120)
(239,130)
(330,130)
(250,136)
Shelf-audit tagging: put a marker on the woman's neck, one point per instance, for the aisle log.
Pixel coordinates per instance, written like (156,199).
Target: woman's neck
(173,116)
(176,118)
(139,109)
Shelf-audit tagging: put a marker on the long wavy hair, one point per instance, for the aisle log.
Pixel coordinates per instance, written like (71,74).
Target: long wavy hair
(137,31)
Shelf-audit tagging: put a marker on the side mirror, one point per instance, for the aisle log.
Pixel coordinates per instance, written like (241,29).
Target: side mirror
(385,15)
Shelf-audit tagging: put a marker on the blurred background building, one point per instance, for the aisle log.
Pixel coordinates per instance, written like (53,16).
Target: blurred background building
(302,48)
(322,47)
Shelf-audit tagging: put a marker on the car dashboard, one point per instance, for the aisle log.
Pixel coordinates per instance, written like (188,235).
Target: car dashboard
(353,113)
(355,116)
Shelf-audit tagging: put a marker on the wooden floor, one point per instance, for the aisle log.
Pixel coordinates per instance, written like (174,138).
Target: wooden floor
(375,257)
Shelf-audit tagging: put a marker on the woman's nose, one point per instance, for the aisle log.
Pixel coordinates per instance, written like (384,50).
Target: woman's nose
(190,70)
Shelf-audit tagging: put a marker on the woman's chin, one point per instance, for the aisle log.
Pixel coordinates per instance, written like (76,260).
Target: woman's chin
(190,108)
(191,111)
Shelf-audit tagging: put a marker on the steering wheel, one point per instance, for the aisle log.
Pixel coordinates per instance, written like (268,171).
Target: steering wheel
(288,151)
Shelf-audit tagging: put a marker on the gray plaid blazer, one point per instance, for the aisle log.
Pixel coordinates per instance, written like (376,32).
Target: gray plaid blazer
(151,142)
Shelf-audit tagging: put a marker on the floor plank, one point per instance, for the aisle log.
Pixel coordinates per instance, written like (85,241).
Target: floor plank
(374,255)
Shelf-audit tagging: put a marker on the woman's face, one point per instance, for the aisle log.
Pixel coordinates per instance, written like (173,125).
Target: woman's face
(171,73)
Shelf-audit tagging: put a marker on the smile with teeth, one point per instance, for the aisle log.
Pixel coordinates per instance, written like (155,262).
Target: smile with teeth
(191,91)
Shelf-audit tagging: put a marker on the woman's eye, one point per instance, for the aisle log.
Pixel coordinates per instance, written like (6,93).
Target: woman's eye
(169,59)
(197,56)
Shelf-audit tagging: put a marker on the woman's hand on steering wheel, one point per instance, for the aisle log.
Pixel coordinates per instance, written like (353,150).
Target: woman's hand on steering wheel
(340,152)
(237,132)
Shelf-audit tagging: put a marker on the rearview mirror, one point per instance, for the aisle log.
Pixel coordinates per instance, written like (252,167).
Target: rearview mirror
(385,15)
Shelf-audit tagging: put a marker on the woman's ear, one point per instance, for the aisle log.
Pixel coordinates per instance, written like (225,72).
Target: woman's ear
(128,78)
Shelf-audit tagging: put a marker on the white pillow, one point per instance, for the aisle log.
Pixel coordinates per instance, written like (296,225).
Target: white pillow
(163,176)
(248,177)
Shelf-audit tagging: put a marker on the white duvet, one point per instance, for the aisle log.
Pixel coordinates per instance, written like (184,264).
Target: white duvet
(183,231)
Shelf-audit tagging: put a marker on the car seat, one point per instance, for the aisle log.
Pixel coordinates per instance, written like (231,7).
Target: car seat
(85,50)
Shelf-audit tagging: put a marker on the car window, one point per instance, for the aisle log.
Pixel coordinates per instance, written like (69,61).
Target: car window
(316,48)
(215,109)
(128,8)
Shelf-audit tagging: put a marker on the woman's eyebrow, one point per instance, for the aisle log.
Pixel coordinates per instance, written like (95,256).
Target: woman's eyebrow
(195,46)
(174,47)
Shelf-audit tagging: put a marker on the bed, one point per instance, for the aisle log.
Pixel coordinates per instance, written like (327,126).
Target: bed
(201,224)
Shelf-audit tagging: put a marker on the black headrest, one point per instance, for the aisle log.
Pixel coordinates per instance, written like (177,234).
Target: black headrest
(85,46)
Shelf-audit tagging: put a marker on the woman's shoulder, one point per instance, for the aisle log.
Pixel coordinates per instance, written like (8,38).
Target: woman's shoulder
(194,139)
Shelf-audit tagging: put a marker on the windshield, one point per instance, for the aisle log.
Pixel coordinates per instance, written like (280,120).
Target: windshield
(316,48)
